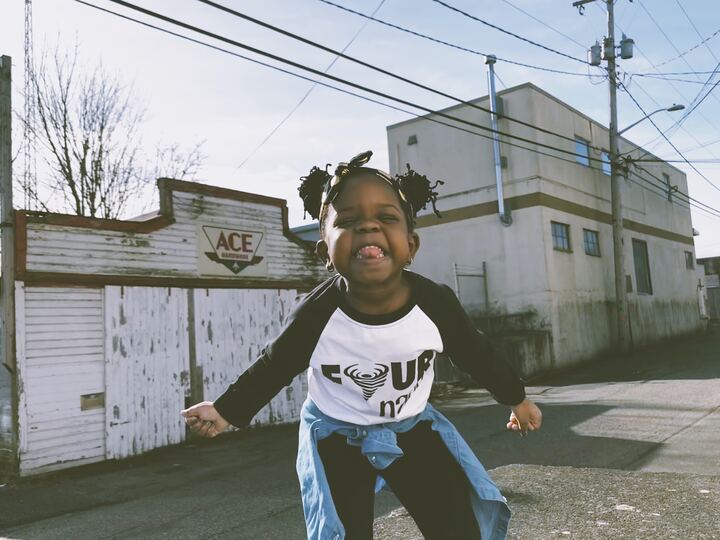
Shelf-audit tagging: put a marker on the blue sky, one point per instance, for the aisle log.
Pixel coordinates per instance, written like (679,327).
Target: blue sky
(194,93)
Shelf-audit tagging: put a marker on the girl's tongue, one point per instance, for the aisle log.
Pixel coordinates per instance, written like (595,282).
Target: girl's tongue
(370,252)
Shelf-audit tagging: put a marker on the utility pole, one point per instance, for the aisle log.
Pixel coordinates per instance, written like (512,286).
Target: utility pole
(621,303)
(8,416)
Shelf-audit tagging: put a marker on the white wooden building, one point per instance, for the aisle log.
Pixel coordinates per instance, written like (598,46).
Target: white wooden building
(121,324)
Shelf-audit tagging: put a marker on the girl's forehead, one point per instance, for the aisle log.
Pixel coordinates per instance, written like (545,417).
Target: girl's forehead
(365,188)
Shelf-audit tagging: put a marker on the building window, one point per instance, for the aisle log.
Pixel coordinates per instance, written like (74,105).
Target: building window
(642,267)
(592,242)
(605,162)
(561,236)
(582,151)
(689,260)
(666,178)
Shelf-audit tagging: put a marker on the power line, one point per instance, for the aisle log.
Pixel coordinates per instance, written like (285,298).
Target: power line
(677,192)
(662,74)
(350,58)
(703,42)
(659,192)
(546,25)
(651,76)
(486,23)
(309,91)
(534,150)
(654,100)
(668,140)
(360,96)
(701,146)
(658,160)
(453,45)
(657,25)
(696,105)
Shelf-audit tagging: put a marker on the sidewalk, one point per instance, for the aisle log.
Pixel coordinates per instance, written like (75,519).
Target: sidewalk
(590,504)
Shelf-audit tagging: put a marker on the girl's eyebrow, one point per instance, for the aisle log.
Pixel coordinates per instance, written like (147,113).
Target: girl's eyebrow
(381,205)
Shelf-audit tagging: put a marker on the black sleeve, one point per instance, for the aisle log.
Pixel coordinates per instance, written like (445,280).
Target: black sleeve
(471,350)
(281,360)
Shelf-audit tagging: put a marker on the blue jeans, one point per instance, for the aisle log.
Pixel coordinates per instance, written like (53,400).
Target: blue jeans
(378,443)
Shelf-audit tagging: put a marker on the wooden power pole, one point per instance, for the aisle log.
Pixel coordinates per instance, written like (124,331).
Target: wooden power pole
(8,402)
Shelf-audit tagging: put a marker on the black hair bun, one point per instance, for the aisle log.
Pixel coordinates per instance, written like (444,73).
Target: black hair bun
(311,190)
(418,191)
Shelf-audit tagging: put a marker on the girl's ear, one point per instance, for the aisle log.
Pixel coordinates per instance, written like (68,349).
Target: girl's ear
(321,250)
(413,243)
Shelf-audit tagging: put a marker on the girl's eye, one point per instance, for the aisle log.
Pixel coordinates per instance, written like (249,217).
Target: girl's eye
(388,219)
(343,223)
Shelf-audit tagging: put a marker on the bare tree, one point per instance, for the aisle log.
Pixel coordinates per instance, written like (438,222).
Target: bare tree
(89,126)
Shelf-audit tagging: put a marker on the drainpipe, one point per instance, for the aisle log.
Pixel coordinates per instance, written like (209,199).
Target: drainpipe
(505,217)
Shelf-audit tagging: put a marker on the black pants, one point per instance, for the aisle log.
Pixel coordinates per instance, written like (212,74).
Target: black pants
(427,479)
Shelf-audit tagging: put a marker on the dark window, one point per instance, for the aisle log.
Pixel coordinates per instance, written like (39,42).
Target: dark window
(666,177)
(642,267)
(592,242)
(605,162)
(689,260)
(582,151)
(561,236)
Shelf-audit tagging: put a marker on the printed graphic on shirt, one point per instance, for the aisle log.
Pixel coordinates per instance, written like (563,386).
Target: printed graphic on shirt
(351,381)
(369,382)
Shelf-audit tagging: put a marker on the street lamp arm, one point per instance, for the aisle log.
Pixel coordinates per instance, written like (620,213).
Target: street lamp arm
(668,109)
(637,122)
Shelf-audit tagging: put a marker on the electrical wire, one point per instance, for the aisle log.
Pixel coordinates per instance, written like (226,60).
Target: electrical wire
(360,96)
(508,32)
(371,66)
(546,25)
(696,105)
(704,41)
(652,188)
(453,45)
(534,150)
(344,81)
(662,74)
(681,56)
(677,192)
(308,92)
(685,99)
(704,83)
(667,139)
(701,146)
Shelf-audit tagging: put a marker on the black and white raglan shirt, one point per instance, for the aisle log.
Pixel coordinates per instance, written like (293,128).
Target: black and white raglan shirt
(370,369)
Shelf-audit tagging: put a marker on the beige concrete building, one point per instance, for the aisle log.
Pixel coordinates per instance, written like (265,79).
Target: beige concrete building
(546,281)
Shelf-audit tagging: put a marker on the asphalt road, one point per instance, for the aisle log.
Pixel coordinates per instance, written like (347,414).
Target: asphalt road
(658,410)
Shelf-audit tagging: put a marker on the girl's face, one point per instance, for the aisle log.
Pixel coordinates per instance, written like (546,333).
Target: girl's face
(366,234)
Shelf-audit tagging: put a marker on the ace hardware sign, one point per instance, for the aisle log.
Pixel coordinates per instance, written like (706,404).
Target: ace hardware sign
(231,252)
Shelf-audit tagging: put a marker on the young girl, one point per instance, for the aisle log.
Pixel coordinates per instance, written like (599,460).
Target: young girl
(369,336)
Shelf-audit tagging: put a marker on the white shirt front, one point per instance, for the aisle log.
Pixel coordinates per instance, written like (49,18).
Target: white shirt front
(371,374)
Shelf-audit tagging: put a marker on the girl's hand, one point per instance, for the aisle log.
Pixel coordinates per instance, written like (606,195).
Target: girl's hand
(204,420)
(525,416)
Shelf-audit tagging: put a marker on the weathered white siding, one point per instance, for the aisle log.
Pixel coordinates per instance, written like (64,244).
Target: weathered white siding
(146,344)
(170,251)
(104,372)
(60,359)
(231,328)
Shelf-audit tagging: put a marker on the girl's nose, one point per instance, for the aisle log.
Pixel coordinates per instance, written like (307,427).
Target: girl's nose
(367,225)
